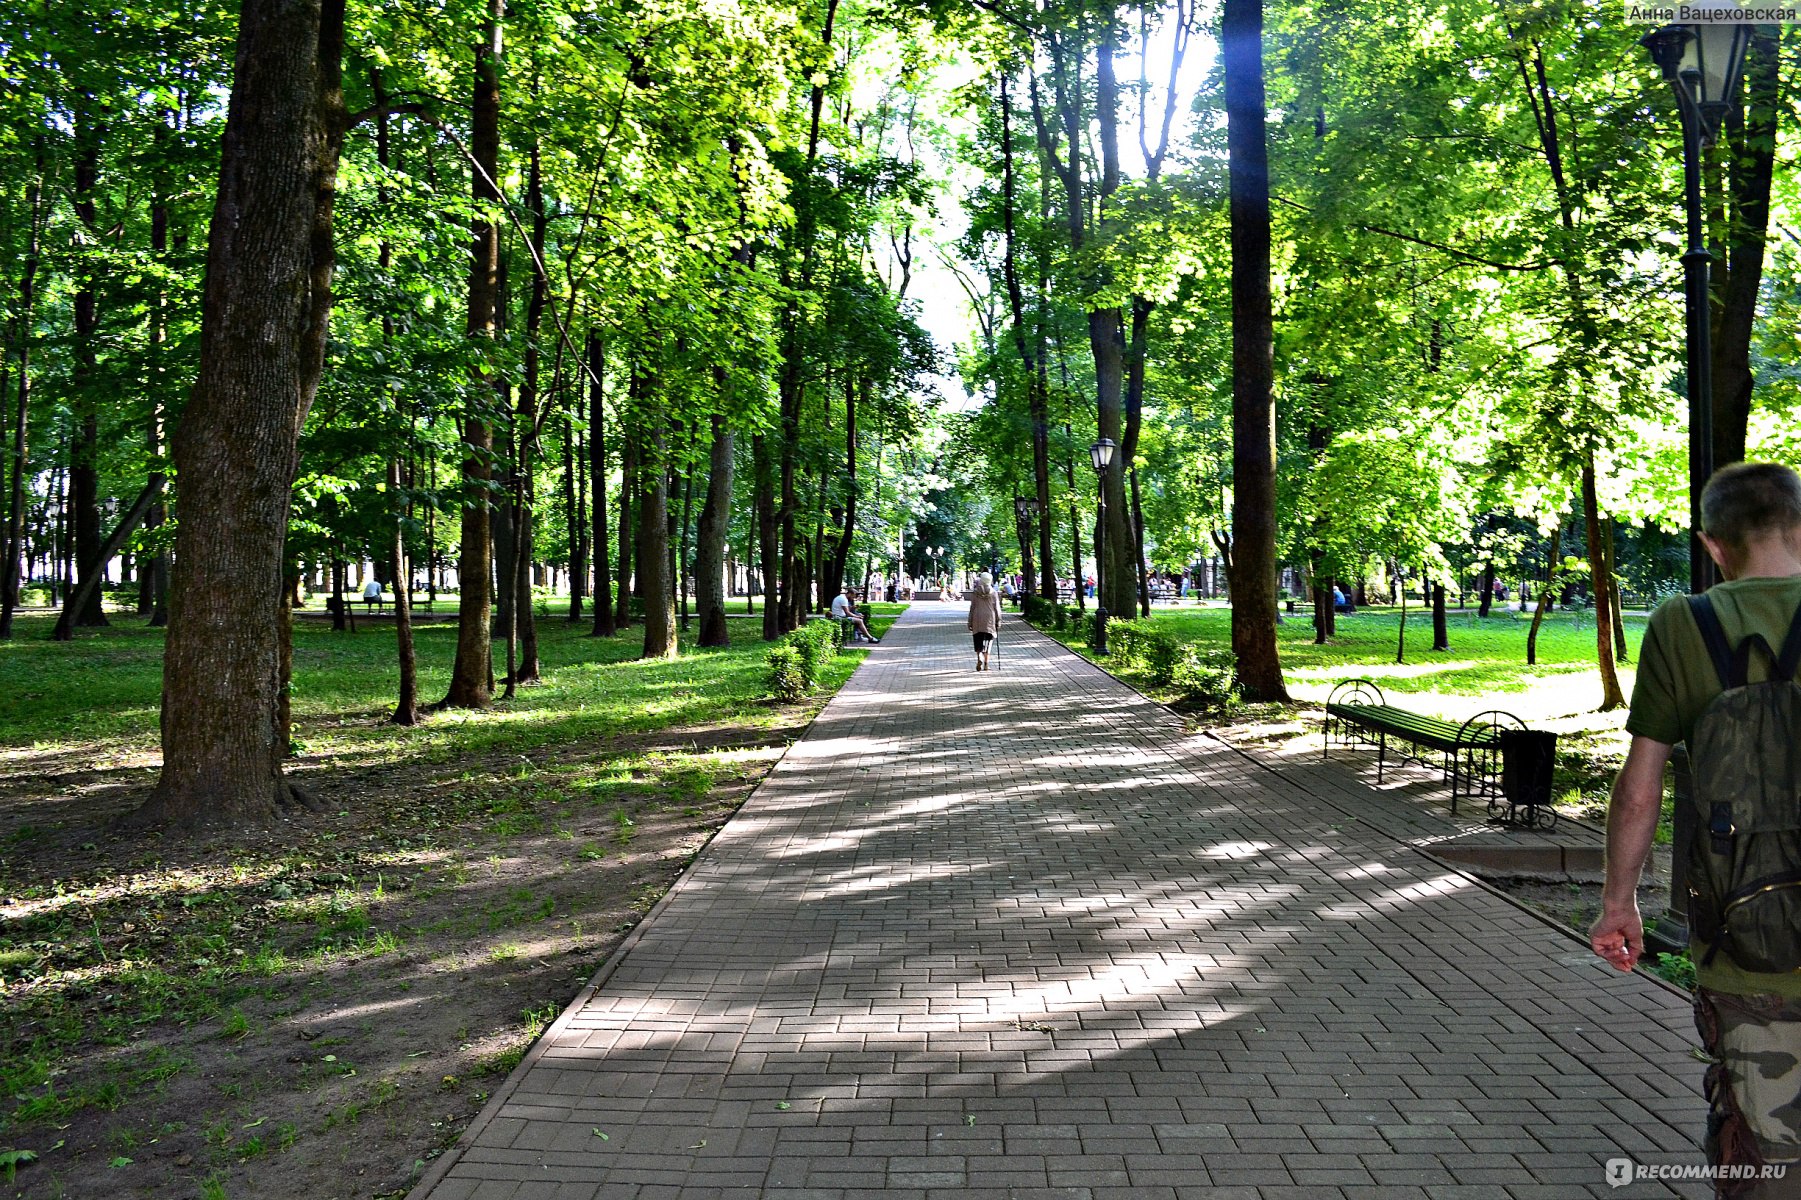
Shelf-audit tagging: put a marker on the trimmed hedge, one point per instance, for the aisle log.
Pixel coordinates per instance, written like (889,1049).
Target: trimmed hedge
(795,659)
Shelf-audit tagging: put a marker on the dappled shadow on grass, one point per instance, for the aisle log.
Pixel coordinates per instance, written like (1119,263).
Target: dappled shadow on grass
(461,875)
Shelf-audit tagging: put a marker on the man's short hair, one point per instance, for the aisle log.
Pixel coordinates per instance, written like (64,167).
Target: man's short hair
(1747,499)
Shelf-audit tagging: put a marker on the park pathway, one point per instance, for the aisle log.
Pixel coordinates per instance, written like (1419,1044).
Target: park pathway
(1018,935)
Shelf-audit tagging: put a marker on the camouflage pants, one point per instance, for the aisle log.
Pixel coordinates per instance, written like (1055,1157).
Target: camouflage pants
(1753,1086)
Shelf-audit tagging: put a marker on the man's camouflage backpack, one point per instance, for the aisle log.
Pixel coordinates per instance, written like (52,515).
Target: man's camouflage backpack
(1744,875)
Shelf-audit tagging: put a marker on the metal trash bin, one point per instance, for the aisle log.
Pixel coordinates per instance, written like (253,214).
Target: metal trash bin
(1528,768)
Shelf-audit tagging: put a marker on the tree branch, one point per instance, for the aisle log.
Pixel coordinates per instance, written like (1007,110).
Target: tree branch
(1465,255)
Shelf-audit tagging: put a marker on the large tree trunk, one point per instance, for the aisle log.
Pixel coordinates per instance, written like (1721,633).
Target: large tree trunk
(1031,349)
(653,549)
(1751,149)
(14,542)
(848,530)
(406,705)
(1253,564)
(264,316)
(709,555)
(1441,634)
(1601,586)
(771,563)
(605,620)
(84,442)
(472,675)
(525,422)
(573,521)
(628,524)
(89,585)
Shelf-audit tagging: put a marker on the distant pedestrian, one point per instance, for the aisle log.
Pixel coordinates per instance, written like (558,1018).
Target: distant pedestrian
(984,617)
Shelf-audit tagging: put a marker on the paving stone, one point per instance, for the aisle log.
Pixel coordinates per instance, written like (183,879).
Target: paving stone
(1022,935)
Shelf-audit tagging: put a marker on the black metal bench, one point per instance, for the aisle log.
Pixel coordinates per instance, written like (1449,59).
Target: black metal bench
(1469,753)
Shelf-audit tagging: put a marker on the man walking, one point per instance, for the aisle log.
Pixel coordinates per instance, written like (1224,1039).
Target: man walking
(1714,672)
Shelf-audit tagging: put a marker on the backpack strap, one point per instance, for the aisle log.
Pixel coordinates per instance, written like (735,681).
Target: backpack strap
(1713,634)
(1790,658)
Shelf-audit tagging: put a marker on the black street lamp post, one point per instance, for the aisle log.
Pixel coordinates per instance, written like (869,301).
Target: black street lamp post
(1701,62)
(1101,455)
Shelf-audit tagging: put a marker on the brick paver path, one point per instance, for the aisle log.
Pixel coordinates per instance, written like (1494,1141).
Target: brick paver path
(1017,935)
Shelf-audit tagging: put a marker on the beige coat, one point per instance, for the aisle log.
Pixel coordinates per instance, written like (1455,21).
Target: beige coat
(985,612)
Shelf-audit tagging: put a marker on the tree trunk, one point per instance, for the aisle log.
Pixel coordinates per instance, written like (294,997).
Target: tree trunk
(1253,405)
(628,519)
(1601,586)
(605,619)
(709,556)
(1139,569)
(1401,636)
(472,675)
(653,550)
(525,424)
(766,535)
(1441,636)
(1488,588)
(406,705)
(14,541)
(573,522)
(686,525)
(265,311)
(89,585)
(84,441)
(1751,143)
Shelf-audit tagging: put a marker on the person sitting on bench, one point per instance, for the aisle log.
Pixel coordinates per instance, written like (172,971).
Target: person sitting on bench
(372,593)
(844,610)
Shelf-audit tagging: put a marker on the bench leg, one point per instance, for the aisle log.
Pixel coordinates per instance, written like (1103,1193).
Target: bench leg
(1381,754)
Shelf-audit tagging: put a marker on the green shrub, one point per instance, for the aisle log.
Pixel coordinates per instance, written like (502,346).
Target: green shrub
(1206,679)
(1145,644)
(1678,969)
(787,673)
(1043,613)
(794,661)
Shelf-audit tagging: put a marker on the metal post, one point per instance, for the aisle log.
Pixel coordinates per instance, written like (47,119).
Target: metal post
(1696,265)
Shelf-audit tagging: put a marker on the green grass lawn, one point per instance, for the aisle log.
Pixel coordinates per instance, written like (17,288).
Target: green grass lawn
(1487,656)
(1484,669)
(478,857)
(102,691)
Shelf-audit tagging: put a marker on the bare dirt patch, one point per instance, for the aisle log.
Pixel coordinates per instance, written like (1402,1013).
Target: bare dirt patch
(318,1011)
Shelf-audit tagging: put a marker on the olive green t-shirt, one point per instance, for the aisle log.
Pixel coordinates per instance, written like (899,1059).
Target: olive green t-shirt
(1677,680)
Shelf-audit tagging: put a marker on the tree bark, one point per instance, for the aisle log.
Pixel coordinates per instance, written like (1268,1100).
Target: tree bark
(14,542)
(605,620)
(525,422)
(628,524)
(573,522)
(406,704)
(85,589)
(1441,636)
(472,675)
(1253,562)
(771,564)
(1601,587)
(84,441)
(1751,146)
(265,311)
(653,549)
(709,558)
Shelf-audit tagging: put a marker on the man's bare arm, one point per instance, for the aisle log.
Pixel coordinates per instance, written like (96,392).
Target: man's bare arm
(1619,935)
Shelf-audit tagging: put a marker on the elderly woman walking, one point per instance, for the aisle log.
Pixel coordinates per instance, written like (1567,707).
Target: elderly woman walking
(984,616)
